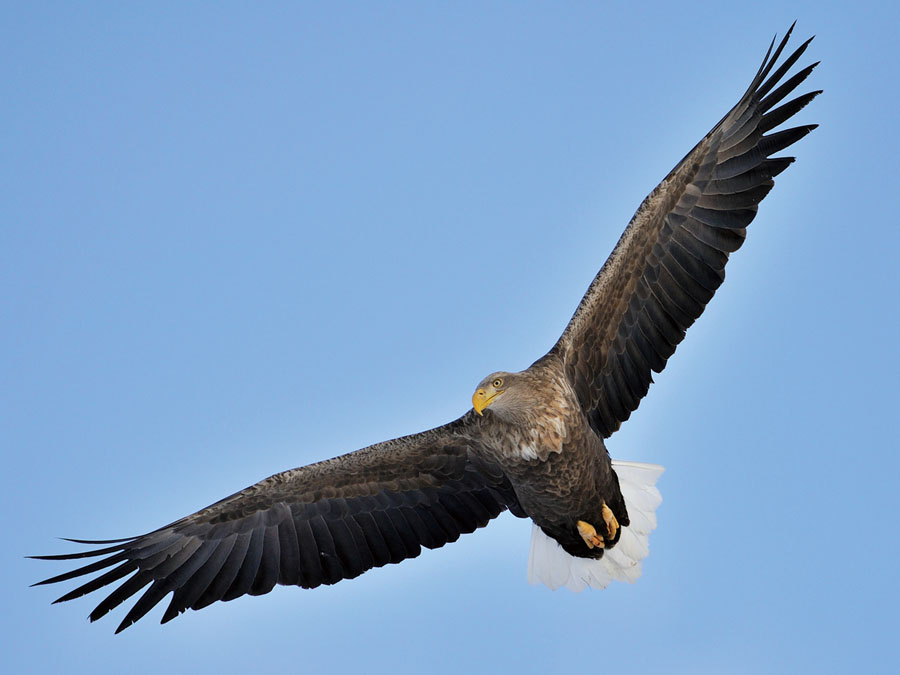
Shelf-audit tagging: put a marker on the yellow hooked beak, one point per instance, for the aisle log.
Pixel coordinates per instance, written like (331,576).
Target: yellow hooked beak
(481,399)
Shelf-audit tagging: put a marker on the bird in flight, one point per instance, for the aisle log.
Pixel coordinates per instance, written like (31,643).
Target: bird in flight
(533,442)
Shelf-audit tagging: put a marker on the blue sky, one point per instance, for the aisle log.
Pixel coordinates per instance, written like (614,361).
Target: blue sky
(235,240)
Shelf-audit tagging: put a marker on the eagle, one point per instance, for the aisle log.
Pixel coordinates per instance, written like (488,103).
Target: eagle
(533,442)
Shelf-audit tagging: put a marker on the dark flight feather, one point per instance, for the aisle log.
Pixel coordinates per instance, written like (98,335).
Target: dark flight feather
(671,258)
(384,503)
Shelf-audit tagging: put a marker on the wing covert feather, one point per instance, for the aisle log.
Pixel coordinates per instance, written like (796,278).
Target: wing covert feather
(671,258)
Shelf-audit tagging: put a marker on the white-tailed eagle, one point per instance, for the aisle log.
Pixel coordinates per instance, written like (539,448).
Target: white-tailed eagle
(533,442)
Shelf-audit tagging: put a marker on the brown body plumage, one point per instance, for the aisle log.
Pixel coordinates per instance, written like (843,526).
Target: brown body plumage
(534,443)
(557,465)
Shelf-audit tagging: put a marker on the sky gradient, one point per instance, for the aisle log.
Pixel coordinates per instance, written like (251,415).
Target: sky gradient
(236,240)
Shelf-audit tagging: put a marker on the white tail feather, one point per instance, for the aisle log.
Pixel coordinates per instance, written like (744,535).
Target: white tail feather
(550,565)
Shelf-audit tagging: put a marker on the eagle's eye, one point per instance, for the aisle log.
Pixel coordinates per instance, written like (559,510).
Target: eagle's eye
(497,383)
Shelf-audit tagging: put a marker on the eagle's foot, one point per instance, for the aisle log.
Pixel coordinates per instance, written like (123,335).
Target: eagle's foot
(612,525)
(590,536)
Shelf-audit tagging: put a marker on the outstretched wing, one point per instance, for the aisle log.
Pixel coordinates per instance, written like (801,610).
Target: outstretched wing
(671,257)
(309,526)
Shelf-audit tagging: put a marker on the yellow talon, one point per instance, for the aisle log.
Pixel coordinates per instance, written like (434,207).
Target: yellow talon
(612,525)
(590,536)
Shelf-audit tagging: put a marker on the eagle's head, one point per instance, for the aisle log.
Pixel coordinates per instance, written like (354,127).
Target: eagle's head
(507,394)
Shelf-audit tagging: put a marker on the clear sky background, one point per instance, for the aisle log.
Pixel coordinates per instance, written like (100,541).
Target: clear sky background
(236,239)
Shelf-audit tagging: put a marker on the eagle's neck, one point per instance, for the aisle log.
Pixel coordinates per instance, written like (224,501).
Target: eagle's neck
(539,425)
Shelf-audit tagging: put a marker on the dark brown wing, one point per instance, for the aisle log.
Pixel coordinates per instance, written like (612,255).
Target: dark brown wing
(309,526)
(671,258)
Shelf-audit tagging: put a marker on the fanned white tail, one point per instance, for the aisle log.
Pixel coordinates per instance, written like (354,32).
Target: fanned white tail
(550,565)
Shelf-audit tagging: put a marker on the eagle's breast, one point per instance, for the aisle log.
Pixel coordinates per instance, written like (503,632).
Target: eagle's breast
(546,437)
